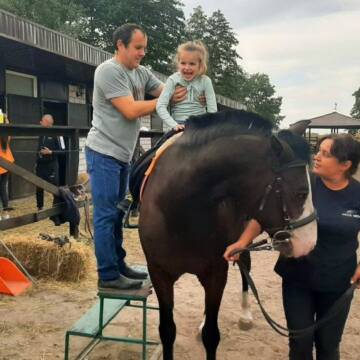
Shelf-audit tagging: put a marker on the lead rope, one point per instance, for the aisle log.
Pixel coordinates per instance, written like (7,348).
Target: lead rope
(284,331)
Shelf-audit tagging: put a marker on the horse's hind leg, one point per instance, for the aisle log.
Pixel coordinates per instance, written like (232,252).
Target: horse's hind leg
(246,318)
(214,284)
(164,287)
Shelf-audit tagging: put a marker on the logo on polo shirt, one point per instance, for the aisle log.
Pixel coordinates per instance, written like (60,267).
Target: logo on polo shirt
(351,213)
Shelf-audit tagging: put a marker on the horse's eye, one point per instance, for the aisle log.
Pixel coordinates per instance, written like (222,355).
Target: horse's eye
(302,196)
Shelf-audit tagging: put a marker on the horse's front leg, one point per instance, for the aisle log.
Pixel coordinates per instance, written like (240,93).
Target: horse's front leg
(214,284)
(164,287)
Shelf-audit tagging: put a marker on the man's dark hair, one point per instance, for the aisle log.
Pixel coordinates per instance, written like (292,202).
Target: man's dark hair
(345,148)
(124,33)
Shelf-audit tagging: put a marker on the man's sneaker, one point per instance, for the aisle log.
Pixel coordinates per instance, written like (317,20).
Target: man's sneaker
(121,283)
(133,274)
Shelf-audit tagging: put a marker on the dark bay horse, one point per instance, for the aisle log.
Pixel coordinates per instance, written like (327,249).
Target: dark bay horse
(226,167)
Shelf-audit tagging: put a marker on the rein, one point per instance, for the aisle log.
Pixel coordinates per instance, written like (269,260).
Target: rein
(282,330)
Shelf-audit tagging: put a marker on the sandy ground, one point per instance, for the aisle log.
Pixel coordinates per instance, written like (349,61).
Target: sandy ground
(33,325)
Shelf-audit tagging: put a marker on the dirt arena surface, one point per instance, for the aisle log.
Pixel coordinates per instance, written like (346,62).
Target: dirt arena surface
(33,325)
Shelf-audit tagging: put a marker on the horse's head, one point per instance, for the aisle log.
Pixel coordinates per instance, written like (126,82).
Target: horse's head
(293,228)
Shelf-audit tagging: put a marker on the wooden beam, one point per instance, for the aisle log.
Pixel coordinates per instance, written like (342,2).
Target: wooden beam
(29,176)
(27,219)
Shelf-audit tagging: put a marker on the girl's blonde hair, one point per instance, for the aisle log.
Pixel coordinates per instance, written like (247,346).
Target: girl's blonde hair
(198,46)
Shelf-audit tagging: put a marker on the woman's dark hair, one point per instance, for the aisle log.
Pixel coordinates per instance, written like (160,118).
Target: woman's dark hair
(4,140)
(124,33)
(344,148)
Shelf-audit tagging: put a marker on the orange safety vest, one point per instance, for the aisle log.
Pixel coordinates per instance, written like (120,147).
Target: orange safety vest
(7,155)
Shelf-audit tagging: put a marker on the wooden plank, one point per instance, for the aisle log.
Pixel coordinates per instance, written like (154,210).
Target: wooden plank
(89,323)
(27,219)
(29,176)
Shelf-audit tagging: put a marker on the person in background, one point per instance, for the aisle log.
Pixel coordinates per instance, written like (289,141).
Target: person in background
(47,165)
(6,153)
(312,284)
(191,62)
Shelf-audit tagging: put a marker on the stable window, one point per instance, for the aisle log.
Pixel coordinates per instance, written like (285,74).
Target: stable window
(21,84)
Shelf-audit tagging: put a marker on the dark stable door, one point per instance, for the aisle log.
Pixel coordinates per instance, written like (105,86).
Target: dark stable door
(26,111)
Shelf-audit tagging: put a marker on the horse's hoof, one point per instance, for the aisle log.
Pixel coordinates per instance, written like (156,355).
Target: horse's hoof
(246,320)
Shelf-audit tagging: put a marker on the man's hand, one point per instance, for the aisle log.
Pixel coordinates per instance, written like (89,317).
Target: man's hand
(202,99)
(356,277)
(179,94)
(45,151)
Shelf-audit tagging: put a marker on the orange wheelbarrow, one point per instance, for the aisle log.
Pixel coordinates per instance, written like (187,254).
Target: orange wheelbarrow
(12,280)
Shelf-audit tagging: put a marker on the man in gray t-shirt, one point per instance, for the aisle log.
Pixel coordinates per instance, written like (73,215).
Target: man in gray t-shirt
(118,101)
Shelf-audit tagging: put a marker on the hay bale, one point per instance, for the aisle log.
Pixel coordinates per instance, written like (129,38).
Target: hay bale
(44,259)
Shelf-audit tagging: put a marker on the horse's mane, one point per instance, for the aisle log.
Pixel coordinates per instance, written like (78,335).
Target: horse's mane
(204,128)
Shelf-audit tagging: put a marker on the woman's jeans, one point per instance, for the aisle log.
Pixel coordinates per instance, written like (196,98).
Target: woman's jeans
(108,178)
(302,306)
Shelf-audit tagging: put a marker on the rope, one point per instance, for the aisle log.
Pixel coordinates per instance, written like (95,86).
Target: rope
(284,331)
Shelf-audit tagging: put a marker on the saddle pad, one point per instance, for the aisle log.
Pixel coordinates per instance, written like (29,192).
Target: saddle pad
(160,151)
(139,167)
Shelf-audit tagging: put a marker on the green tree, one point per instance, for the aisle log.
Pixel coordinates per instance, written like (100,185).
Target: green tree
(355,111)
(60,15)
(258,95)
(163,21)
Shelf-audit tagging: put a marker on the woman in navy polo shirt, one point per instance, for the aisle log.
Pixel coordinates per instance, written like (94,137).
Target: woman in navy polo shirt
(313,283)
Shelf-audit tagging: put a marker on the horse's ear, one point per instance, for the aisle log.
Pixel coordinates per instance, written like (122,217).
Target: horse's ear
(299,127)
(281,149)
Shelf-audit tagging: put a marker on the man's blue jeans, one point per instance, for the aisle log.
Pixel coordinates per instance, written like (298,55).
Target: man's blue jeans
(108,178)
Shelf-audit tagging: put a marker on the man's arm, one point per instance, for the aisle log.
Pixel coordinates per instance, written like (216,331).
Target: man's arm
(133,109)
(156,93)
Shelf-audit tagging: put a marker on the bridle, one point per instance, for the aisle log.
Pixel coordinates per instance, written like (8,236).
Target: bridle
(282,235)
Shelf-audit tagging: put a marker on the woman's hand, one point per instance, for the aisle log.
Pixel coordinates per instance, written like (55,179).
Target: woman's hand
(231,248)
(356,277)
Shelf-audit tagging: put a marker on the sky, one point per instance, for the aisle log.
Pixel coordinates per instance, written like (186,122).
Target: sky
(310,49)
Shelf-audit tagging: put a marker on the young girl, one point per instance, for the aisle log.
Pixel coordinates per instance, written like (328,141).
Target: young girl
(191,62)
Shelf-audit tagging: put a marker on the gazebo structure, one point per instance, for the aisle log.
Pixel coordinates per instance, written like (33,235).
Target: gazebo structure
(332,121)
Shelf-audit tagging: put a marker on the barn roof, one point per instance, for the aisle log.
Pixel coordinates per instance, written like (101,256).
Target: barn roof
(333,120)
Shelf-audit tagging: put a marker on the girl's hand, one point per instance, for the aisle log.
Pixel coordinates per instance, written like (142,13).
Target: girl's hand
(231,248)
(356,277)
(179,127)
